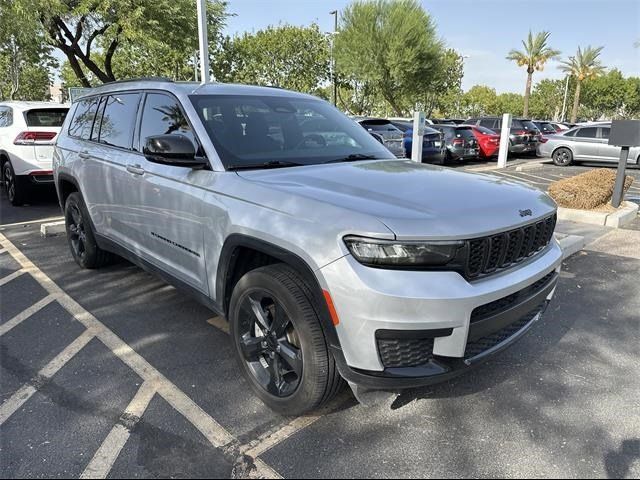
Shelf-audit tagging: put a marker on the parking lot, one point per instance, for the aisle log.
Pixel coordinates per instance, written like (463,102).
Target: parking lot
(112,373)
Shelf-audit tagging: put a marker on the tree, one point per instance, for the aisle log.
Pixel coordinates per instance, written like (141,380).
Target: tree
(609,96)
(391,44)
(95,35)
(547,98)
(480,100)
(508,103)
(286,56)
(535,54)
(25,58)
(584,66)
(445,88)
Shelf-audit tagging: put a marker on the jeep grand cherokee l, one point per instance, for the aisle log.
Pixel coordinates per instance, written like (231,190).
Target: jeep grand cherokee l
(330,258)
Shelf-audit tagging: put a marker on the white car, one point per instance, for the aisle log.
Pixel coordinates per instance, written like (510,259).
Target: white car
(28,131)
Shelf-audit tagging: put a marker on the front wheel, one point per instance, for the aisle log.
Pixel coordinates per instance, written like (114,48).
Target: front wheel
(562,157)
(279,343)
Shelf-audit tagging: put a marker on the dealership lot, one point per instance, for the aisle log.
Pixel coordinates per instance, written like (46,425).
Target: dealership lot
(113,373)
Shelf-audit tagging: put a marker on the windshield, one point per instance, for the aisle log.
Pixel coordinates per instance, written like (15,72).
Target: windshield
(253,130)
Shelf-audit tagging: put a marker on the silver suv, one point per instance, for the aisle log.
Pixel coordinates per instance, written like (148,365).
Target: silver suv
(330,258)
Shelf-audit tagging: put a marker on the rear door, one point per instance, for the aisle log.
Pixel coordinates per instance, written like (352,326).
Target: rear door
(108,178)
(166,213)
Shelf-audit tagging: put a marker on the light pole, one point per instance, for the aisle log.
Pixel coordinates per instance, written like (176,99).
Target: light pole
(333,59)
(203,40)
(463,58)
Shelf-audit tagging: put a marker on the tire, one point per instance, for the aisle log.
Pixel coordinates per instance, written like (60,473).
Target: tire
(80,235)
(287,363)
(15,191)
(562,157)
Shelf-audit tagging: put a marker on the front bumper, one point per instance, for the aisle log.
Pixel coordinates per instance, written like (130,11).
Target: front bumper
(373,301)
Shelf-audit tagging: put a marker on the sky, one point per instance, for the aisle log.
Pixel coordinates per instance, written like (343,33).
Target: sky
(486,30)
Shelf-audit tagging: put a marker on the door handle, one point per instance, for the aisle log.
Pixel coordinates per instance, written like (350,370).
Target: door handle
(135,169)
(84,155)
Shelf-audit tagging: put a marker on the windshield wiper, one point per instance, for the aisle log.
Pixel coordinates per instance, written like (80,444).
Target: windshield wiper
(354,157)
(269,164)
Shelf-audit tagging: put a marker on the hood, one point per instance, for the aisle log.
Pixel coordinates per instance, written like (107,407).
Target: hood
(415,201)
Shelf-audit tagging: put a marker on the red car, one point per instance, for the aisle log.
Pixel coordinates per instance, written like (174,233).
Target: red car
(488,140)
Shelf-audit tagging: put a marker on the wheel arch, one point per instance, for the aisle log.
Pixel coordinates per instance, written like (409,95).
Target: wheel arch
(562,145)
(65,186)
(242,253)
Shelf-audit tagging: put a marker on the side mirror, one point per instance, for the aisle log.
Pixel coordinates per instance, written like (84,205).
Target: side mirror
(176,150)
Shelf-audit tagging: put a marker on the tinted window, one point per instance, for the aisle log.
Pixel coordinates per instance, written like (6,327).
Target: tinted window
(570,133)
(250,130)
(518,125)
(465,133)
(604,132)
(83,117)
(546,127)
(589,132)
(46,117)
(488,122)
(162,115)
(6,116)
(118,120)
(378,126)
(530,126)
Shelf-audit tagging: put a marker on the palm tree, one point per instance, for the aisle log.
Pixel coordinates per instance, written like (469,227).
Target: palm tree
(535,54)
(583,66)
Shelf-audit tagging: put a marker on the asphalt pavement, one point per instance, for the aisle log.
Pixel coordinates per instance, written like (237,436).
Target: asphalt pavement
(112,373)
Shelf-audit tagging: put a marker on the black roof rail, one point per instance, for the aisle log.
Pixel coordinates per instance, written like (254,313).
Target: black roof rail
(139,79)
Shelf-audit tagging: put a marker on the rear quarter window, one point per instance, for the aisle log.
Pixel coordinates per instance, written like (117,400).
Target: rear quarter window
(46,117)
(83,117)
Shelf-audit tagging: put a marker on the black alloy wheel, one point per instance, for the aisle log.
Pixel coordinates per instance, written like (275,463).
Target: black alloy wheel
(269,343)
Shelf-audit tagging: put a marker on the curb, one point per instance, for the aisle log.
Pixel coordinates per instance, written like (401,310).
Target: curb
(626,214)
(52,229)
(570,244)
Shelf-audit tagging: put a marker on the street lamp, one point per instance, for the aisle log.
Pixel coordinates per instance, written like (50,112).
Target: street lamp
(333,60)
(463,58)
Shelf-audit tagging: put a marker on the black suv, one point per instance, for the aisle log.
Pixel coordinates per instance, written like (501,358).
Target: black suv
(460,141)
(524,135)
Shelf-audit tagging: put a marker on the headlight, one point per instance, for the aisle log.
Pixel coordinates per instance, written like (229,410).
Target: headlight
(392,253)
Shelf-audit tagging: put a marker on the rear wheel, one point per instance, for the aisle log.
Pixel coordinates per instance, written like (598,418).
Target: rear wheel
(279,343)
(15,191)
(562,157)
(80,235)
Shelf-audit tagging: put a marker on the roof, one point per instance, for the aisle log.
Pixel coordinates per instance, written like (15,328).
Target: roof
(193,88)
(28,105)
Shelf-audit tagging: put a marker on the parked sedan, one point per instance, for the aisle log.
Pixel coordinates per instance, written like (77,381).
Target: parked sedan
(391,135)
(589,142)
(460,141)
(524,136)
(488,141)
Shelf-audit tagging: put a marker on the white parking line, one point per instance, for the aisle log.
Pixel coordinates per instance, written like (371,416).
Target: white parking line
(2,250)
(18,399)
(41,220)
(201,420)
(515,177)
(8,278)
(103,460)
(22,316)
